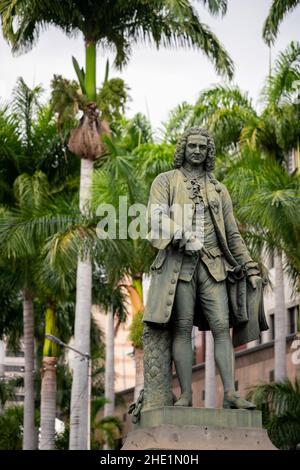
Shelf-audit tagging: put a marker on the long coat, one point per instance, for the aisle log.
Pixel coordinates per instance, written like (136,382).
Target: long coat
(168,193)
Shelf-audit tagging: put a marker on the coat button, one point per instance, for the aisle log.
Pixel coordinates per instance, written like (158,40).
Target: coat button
(169,302)
(176,271)
(171,292)
(173,281)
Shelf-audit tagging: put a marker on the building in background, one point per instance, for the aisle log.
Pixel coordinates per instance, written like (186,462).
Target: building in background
(12,366)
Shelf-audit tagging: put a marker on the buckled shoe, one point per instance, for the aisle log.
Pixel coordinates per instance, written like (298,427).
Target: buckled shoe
(185,399)
(234,400)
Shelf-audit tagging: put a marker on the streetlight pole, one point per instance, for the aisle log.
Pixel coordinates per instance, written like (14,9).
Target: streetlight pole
(88,358)
(109,364)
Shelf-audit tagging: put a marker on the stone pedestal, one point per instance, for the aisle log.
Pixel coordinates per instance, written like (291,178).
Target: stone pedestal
(172,428)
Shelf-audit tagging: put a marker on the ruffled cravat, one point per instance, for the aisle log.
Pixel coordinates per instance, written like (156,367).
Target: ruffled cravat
(195,186)
(196,191)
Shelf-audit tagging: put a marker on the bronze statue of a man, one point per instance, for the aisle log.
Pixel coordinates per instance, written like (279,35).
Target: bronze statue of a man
(203,274)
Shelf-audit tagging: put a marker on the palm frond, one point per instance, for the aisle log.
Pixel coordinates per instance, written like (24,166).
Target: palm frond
(216,6)
(280,86)
(280,406)
(24,104)
(278,11)
(117,24)
(178,121)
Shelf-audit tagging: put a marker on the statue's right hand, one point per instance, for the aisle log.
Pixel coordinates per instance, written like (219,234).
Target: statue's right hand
(193,244)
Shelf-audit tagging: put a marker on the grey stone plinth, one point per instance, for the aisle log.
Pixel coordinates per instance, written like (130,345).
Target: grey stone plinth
(183,416)
(198,429)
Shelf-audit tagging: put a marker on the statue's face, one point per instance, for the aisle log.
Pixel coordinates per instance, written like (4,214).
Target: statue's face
(196,150)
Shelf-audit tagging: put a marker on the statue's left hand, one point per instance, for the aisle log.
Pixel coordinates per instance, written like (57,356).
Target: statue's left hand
(254,280)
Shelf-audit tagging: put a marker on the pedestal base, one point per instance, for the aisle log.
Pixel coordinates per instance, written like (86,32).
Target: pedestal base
(172,428)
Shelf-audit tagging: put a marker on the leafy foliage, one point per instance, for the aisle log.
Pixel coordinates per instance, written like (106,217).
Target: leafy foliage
(112,98)
(136,330)
(280,406)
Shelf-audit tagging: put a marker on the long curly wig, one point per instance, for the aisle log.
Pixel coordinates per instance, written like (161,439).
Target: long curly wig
(209,163)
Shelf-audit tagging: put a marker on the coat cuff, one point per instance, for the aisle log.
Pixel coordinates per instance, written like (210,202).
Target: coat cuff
(252,269)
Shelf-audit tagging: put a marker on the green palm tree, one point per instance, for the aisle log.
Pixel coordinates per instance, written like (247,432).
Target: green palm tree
(10,152)
(275,131)
(52,288)
(12,244)
(116,24)
(280,406)
(277,12)
(32,214)
(23,231)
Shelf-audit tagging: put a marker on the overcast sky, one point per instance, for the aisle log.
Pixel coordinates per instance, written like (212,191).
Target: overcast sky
(159,80)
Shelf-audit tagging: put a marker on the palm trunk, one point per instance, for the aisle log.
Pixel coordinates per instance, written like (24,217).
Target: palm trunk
(29,433)
(109,407)
(79,396)
(48,388)
(210,372)
(280,321)
(90,70)
(48,403)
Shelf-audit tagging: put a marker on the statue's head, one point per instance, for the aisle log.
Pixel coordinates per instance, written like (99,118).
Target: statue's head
(196,146)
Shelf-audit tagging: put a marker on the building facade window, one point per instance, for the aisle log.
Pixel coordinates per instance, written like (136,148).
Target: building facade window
(10,368)
(272,326)
(9,353)
(293,316)
(19,398)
